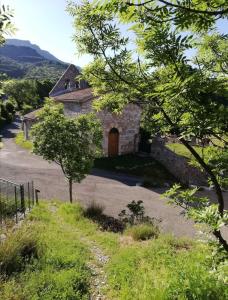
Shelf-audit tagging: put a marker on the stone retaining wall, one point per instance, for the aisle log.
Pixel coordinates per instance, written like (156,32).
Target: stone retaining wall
(177,165)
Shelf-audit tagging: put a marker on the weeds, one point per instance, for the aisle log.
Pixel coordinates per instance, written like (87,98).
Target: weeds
(19,248)
(142,232)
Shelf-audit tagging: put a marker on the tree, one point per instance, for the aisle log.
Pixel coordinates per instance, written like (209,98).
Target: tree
(23,92)
(177,95)
(5,22)
(71,143)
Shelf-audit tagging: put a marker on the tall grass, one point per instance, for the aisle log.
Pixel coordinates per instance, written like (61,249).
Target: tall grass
(47,259)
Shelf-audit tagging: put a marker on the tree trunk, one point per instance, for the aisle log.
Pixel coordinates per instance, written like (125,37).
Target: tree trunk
(207,169)
(70,190)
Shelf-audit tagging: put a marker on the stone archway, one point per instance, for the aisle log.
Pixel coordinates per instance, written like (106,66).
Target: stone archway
(113,142)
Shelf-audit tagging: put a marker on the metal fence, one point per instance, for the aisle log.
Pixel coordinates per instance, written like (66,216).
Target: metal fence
(15,200)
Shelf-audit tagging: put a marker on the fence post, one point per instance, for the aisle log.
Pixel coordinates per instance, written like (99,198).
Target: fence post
(32,184)
(29,204)
(15,195)
(1,214)
(36,195)
(22,192)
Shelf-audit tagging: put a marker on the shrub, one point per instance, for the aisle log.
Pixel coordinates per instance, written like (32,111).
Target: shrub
(18,249)
(94,210)
(142,232)
(10,107)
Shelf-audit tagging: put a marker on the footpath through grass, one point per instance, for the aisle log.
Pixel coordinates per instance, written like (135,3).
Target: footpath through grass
(51,254)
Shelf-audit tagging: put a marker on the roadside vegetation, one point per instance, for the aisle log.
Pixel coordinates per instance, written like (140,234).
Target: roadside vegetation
(51,256)
(181,150)
(153,174)
(22,142)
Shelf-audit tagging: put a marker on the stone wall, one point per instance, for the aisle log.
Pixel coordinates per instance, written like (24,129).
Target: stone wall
(177,165)
(68,82)
(127,123)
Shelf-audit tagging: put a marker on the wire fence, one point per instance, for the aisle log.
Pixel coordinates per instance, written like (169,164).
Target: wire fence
(15,200)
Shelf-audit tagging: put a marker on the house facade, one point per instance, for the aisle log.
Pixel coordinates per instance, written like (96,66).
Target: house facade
(120,132)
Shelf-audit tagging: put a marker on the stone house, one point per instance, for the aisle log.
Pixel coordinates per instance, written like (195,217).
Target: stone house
(120,132)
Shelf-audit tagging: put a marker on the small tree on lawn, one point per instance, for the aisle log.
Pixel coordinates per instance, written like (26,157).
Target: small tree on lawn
(72,143)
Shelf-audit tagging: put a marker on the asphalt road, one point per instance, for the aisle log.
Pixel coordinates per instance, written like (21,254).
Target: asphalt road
(113,191)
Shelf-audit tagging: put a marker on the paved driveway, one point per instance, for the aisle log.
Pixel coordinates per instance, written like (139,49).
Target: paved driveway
(114,191)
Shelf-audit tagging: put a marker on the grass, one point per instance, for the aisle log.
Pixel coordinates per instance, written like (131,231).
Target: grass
(142,232)
(162,268)
(181,150)
(151,171)
(20,140)
(94,210)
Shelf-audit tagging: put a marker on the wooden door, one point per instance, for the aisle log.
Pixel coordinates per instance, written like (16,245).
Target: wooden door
(113,142)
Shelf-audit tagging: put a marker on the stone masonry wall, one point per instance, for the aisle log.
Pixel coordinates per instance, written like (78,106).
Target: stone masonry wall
(177,165)
(70,75)
(127,123)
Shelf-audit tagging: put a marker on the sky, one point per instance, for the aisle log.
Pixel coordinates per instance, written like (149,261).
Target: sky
(47,24)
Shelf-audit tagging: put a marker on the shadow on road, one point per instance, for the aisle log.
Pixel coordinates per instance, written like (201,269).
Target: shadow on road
(9,131)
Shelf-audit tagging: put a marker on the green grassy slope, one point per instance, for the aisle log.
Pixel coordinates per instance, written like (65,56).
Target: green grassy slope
(69,258)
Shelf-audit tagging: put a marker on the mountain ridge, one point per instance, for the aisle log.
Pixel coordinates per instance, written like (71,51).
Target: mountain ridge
(23,60)
(26,43)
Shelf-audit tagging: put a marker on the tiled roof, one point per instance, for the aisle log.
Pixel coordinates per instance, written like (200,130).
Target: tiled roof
(76,96)
(32,115)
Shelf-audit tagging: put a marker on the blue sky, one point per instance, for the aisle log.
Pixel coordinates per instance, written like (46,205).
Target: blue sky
(47,24)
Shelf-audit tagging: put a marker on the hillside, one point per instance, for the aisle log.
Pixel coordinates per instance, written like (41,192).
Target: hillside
(58,253)
(21,59)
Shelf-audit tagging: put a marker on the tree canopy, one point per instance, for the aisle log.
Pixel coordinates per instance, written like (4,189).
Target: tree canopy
(72,143)
(178,92)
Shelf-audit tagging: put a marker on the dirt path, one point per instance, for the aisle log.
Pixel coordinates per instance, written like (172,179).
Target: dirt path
(96,261)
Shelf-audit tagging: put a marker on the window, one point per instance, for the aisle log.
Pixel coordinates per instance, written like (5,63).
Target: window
(67,84)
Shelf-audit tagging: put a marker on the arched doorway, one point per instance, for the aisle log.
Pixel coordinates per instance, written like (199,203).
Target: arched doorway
(113,142)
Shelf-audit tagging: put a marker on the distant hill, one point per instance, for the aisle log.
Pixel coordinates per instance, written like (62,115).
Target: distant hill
(22,59)
(23,43)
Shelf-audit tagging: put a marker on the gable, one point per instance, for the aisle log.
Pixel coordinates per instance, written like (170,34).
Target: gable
(67,82)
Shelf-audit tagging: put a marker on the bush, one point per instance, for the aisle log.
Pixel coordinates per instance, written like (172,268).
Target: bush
(10,107)
(143,232)
(18,249)
(94,210)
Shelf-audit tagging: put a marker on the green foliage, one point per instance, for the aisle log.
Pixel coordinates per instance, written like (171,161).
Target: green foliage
(20,140)
(59,272)
(7,112)
(151,171)
(161,268)
(197,208)
(5,22)
(142,232)
(181,150)
(23,92)
(18,249)
(94,210)
(71,143)
(178,94)
(212,54)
